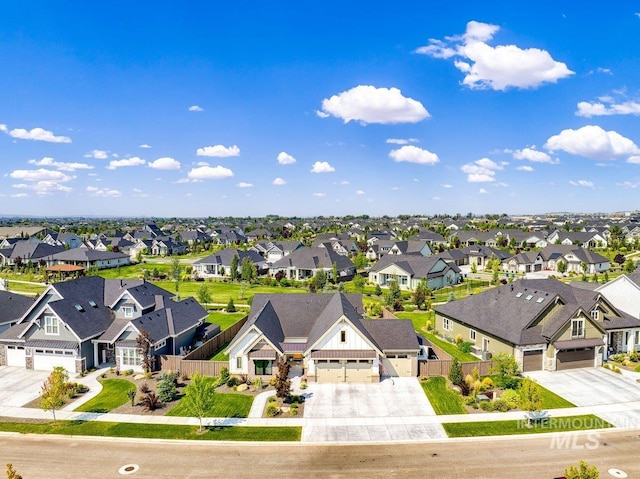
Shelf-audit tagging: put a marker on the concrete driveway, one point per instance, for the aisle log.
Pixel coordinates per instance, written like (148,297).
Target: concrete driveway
(392,410)
(19,386)
(614,397)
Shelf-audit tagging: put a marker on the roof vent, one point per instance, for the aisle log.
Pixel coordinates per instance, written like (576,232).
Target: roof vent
(79,308)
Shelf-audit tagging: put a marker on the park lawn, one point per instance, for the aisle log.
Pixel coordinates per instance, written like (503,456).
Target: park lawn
(221,291)
(155,431)
(224,405)
(224,320)
(450,348)
(28,289)
(418,318)
(443,399)
(112,396)
(504,428)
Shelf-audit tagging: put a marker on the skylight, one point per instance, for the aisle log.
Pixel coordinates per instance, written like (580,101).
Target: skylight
(79,307)
(519,294)
(539,300)
(92,303)
(528,298)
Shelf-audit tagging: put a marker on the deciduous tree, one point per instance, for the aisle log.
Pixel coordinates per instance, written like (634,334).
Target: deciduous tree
(54,391)
(199,397)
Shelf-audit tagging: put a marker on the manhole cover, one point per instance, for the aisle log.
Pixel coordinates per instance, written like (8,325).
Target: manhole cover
(128,469)
(617,473)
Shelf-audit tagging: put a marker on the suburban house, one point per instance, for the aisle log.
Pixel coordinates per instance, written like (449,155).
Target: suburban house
(480,255)
(416,247)
(88,258)
(82,323)
(68,240)
(409,270)
(276,250)
(25,252)
(586,239)
(545,324)
(166,246)
(219,264)
(548,258)
(304,262)
(623,292)
(326,335)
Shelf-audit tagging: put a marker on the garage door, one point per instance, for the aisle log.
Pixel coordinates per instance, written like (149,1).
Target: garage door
(329,372)
(46,362)
(532,361)
(15,356)
(575,358)
(398,365)
(358,372)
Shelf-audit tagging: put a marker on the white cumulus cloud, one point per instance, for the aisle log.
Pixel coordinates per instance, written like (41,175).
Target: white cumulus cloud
(593,142)
(285,158)
(322,167)
(359,192)
(103,192)
(368,104)
(482,191)
(498,68)
(279,182)
(134,161)
(62,166)
(320,194)
(524,168)
(210,173)
(165,163)
(243,184)
(36,134)
(533,155)
(42,181)
(482,170)
(589,109)
(219,151)
(401,141)
(195,108)
(144,145)
(413,154)
(585,183)
(97,154)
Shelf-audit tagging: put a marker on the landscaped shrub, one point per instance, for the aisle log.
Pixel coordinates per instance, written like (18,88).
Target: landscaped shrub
(487,383)
(272,409)
(294,398)
(469,400)
(486,406)
(271,399)
(458,339)
(633,356)
(169,376)
(224,375)
(144,388)
(166,390)
(258,384)
(150,402)
(294,409)
(501,405)
(464,346)
(511,397)
(233,381)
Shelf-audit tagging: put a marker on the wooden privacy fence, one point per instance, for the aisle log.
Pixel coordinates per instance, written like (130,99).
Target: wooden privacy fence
(198,359)
(440,367)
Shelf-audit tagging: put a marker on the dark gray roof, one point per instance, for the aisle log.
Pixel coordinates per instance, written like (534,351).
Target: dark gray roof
(393,334)
(13,306)
(172,320)
(417,266)
(86,254)
(224,257)
(313,258)
(30,250)
(505,312)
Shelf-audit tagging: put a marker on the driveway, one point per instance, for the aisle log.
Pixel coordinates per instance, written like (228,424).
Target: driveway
(614,397)
(19,386)
(392,410)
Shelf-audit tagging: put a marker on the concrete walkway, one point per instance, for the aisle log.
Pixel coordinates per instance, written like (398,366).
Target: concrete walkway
(411,426)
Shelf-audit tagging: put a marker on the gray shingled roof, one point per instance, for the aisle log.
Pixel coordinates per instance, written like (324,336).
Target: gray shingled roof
(13,306)
(173,319)
(313,258)
(417,266)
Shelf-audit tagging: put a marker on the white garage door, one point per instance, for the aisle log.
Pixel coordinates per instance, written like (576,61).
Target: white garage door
(397,365)
(358,371)
(15,356)
(329,372)
(46,362)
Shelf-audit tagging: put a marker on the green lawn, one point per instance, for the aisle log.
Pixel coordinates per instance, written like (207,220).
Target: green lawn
(551,400)
(221,291)
(28,289)
(155,431)
(450,348)
(113,395)
(224,405)
(500,428)
(418,318)
(224,320)
(443,400)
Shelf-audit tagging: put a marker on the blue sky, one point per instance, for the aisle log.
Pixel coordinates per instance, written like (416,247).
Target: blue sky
(334,108)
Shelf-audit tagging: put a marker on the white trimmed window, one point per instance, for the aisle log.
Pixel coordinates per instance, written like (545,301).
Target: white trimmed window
(130,357)
(595,314)
(577,328)
(446,324)
(472,335)
(51,325)
(239,362)
(160,344)
(128,311)
(343,336)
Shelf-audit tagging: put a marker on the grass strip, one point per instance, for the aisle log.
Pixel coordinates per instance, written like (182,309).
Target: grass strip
(155,431)
(443,400)
(516,427)
(224,405)
(450,348)
(112,396)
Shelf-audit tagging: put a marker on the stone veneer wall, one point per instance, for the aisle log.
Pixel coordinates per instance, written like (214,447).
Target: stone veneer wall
(3,355)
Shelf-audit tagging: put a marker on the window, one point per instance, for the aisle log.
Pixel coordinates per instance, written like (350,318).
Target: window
(595,314)
(51,325)
(343,336)
(262,368)
(130,357)
(577,328)
(239,362)
(446,324)
(160,344)
(637,337)
(128,311)
(472,335)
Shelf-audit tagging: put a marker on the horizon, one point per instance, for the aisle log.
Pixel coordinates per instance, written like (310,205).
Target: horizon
(221,111)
